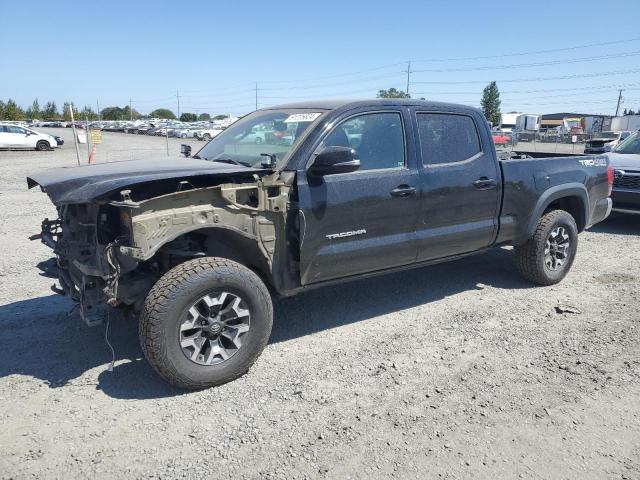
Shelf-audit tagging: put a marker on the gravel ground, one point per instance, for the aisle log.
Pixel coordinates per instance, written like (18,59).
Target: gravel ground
(459,370)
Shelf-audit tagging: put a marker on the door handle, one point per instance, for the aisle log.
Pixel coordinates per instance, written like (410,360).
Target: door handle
(403,191)
(484,183)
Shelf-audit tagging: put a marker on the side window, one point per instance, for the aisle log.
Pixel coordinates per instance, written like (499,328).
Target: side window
(377,138)
(447,138)
(13,129)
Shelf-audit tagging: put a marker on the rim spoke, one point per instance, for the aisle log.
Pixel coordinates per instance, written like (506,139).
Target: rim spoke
(195,342)
(216,350)
(194,320)
(233,334)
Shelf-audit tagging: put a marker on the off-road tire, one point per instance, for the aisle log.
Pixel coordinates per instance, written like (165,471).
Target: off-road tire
(530,257)
(42,146)
(166,307)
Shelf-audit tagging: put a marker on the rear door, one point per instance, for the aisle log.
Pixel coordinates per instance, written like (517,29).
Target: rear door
(363,221)
(460,184)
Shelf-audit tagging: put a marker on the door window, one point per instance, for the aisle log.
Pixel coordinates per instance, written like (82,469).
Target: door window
(377,138)
(447,138)
(13,129)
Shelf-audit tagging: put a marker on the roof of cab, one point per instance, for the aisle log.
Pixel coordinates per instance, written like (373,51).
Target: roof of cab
(334,104)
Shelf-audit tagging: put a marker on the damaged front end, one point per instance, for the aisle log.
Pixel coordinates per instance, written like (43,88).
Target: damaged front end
(83,239)
(111,250)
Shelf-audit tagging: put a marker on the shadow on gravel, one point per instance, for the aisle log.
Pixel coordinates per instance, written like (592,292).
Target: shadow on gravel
(619,224)
(351,302)
(40,340)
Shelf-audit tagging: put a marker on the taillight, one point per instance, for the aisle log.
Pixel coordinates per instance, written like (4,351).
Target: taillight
(610,176)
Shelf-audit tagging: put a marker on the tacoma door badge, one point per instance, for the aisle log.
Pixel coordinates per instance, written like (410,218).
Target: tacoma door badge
(352,233)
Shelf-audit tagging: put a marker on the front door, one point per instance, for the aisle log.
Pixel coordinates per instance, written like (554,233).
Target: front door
(362,221)
(460,185)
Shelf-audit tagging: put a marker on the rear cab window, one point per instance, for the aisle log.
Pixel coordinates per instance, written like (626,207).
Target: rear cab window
(447,138)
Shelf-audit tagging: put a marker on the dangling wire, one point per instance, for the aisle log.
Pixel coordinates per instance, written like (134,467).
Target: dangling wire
(106,339)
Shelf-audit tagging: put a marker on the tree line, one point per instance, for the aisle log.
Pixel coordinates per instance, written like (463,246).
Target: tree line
(11,111)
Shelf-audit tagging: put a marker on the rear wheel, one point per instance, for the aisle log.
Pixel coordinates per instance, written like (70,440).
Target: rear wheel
(42,145)
(547,256)
(206,137)
(205,322)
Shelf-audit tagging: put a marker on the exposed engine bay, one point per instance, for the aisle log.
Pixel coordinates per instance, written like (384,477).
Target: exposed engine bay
(111,251)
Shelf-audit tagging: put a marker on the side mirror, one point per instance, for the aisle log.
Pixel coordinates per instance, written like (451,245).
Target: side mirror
(185,150)
(334,160)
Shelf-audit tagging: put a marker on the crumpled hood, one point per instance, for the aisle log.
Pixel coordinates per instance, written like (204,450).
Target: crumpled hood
(624,160)
(87,182)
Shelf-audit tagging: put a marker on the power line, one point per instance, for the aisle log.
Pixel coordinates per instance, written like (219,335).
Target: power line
(534,52)
(535,79)
(536,64)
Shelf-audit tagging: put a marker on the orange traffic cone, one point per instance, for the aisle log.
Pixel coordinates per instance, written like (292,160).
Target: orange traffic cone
(92,157)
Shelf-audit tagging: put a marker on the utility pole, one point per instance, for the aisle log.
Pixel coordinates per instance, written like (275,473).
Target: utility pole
(130,110)
(619,101)
(256,95)
(408,76)
(178,97)
(98,112)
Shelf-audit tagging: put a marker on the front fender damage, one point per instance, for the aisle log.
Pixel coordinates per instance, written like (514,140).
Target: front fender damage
(111,253)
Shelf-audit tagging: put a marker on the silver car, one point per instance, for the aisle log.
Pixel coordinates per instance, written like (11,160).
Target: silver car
(625,160)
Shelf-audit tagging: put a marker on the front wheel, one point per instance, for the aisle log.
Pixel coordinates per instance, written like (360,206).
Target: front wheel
(547,256)
(42,145)
(205,322)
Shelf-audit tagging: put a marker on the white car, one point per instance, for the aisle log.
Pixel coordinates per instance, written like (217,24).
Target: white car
(207,133)
(17,137)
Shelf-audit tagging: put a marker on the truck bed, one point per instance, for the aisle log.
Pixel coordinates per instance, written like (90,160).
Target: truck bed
(531,184)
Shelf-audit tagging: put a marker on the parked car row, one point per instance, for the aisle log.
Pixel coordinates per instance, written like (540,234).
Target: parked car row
(199,130)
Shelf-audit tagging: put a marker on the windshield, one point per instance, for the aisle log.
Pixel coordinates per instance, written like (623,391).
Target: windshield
(271,132)
(630,145)
(611,135)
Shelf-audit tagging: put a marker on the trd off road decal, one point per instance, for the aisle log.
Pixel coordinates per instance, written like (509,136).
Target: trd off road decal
(594,162)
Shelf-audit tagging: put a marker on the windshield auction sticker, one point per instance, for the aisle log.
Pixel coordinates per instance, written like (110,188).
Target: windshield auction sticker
(302,117)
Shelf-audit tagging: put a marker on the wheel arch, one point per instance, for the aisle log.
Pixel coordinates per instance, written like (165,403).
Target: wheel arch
(573,198)
(229,243)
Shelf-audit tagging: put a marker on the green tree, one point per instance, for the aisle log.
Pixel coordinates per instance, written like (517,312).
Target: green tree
(50,111)
(631,112)
(188,117)
(392,93)
(490,103)
(625,112)
(12,111)
(127,115)
(204,117)
(112,113)
(2,107)
(163,113)
(220,117)
(66,114)
(33,111)
(87,113)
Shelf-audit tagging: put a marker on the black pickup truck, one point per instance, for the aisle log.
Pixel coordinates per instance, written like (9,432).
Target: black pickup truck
(197,246)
